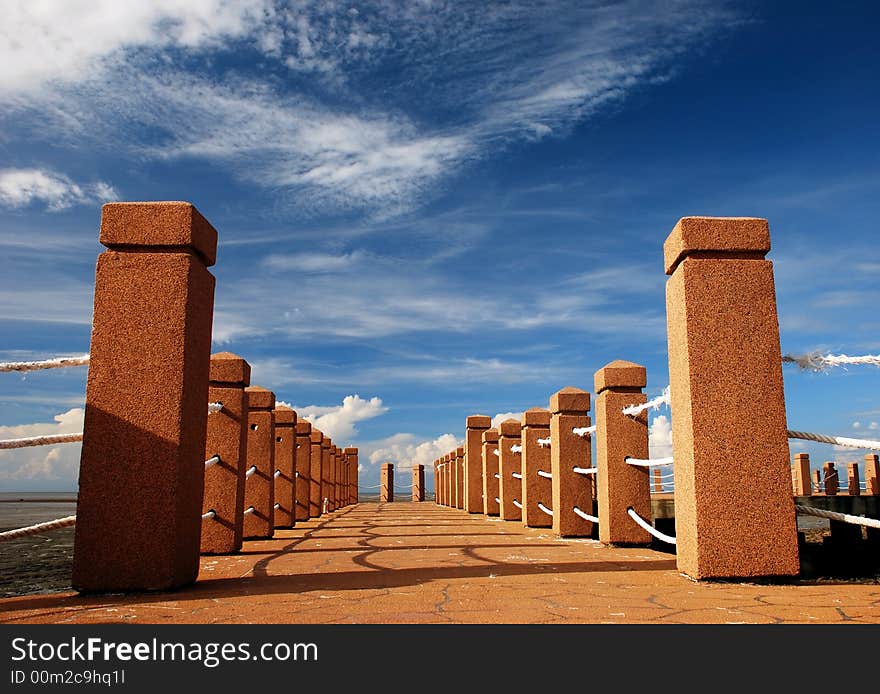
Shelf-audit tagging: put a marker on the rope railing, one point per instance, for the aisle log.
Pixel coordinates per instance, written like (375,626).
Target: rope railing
(649,462)
(250,471)
(497,500)
(37,529)
(816,361)
(543,443)
(47,440)
(497,452)
(585,516)
(543,473)
(214,407)
(277,473)
(209,515)
(548,511)
(585,470)
(213,460)
(497,476)
(57,363)
(516,448)
(517,503)
(833,515)
(584,431)
(277,506)
(517,475)
(249,510)
(836,440)
(653,404)
(644,525)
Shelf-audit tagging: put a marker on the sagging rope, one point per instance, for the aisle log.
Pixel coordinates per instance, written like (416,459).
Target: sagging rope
(516,448)
(816,361)
(548,511)
(516,475)
(653,404)
(210,514)
(842,517)
(543,443)
(57,363)
(249,510)
(585,516)
(585,470)
(584,431)
(654,462)
(214,407)
(837,440)
(497,452)
(517,504)
(497,476)
(497,501)
(65,522)
(642,523)
(213,460)
(250,471)
(548,475)
(48,440)
(277,473)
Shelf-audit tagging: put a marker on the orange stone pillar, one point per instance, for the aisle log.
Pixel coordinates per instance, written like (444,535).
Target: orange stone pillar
(658,481)
(852,479)
(621,486)
(343,485)
(303,469)
(259,484)
(449,471)
(491,505)
(386,491)
(285,470)
(569,409)
(872,474)
(326,474)
(459,478)
(142,469)
(724,357)
(830,479)
(334,473)
(418,477)
(802,483)
(227,438)
(536,487)
(316,466)
(436,483)
(352,454)
(817,482)
(510,470)
(476,424)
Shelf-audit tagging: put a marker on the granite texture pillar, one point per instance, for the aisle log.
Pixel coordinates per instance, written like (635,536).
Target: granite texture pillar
(830,480)
(285,470)
(459,478)
(303,469)
(853,483)
(536,488)
(802,483)
(476,424)
(491,507)
(142,470)
(326,474)
(509,464)
(872,474)
(418,480)
(386,479)
(352,454)
(569,409)
(316,464)
(259,487)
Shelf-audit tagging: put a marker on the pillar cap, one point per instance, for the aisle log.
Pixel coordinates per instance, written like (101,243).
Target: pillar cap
(620,374)
(259,398)
(284,416)
(570,399)
(715,235)
(802,456)
(388,465)
(230,368)
(326,442)
(158,224)
(303,427)
(536,417)
(459,452)
(316,436)
(351,451)
(479,421)
(510,427)
(490,436)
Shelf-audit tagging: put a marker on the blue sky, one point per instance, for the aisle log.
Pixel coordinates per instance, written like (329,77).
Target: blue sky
(441,208)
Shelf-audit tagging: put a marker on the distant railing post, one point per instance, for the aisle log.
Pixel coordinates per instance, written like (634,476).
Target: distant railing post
(536,488)
(352,454)
(830,481)
(418,480)
(802,482)
(436,483)
(386,493)
(141,476)
(872,474)
(316,467)
(476,424)
(569,409)
(509,462)
(302,468)
(852,479)
(259,488)
(491,506)
(285,470)
(326,474)
(459,477)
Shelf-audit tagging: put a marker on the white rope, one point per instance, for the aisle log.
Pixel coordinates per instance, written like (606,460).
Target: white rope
(49,440)
(277,506)
(214,407)
(516,448)
(641,522)
(38,528)
(497,476)
(655,462)
(548,511)
(250,471)
(585,470)
(497,500)
(837,440)
(548,475)
(585,516)
(249,510)
(843,517)
(213,460)
(517,504)
(210,514)
(517,475)
(497,452)
(57,363)
(655,403)
(584,431)
(543,443)
(816,361)
(277,473)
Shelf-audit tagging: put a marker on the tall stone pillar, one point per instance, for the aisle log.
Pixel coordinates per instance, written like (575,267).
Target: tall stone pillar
(326,474)
(724,357)
(802,483)
(621,486)
(285,471)
(569,409)
(509,466)
(303,469)
(386,491)
(830,479)
(142,470)
(491,506)
(536,487)
(872,474)
(316,466)
(352,454)
(473,450)
(259,484)
(222,532)
(448,471)
(853,484)
(459,478)
(418,480)
(436,483)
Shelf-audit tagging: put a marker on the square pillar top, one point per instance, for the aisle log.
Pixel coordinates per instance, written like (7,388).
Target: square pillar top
(417,467)
(620,374)
(388,466)
(459,452)
(570,400)
(802,456)
(351,451)
(716,237)
(316,436)
(159,225)
(479,421)
(303,427)
(490,436)
(536,417)
(260,398)
(229,368)
(510,427)
(327,442)
(284,416)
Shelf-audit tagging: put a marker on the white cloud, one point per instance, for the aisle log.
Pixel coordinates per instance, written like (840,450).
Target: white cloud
(21,187)
(660,437)
(312,262)
(338,421)
(406,450)
(498,418)
(42,465)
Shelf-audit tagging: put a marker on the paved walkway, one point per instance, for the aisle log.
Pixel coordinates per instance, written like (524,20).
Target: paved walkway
(408,562)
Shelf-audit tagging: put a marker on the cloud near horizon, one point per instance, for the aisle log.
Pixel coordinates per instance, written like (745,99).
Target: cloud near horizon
(41,466)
